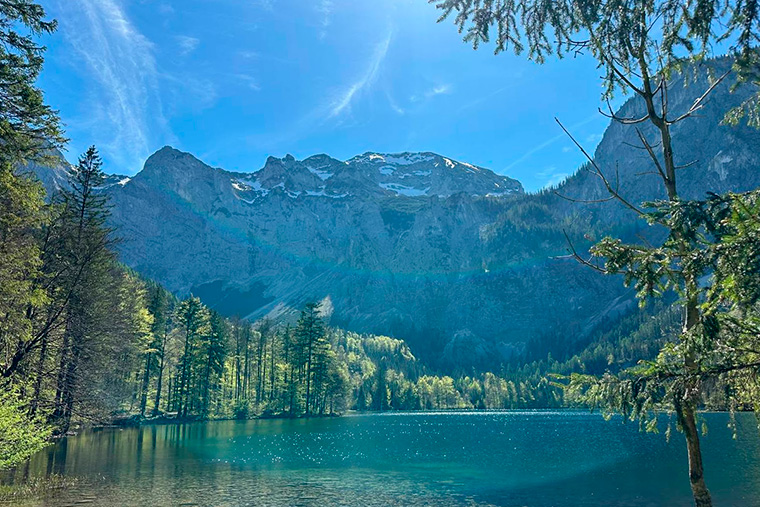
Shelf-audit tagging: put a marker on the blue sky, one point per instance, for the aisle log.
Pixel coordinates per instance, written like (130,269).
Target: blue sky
(233,81)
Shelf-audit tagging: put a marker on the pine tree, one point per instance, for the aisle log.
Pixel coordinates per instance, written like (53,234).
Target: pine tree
(83,247)
(21,215)
(159,307)
(213,352)
(192,318)
(28,127)
(310,339)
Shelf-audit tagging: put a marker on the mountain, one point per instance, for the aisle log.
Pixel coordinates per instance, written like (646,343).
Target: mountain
(379,234)
(454,258)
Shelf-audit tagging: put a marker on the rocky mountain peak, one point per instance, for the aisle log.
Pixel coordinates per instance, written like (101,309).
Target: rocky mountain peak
(370,174)
(170,165)
(430,174)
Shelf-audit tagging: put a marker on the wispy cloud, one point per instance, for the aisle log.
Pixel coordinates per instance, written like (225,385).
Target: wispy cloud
(255,55)
(439,89)
(250,81)
(394,105)
(549,142)
(484,98)
(324,9)
(125,111)
(367,79)
(187,44)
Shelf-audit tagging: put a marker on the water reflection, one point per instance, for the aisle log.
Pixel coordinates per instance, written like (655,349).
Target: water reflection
(495,458)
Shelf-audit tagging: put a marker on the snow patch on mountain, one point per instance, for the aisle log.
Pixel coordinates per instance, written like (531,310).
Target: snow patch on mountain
(404,190)
(322,193)
(320,172)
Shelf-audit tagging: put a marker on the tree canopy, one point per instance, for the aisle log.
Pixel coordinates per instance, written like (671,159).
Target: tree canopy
(27,124)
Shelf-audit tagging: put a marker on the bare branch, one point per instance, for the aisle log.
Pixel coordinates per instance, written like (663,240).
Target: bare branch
(699,103)
(599,173)
(575,255)
(583,201)
(653,156)
(621,119)
(688,164)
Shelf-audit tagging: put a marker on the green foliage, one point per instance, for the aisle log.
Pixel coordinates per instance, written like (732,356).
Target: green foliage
(27,124)
(713,251)
(20,437)
(22,213)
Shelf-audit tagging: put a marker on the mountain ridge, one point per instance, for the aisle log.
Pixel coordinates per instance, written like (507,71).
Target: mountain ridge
(410,245)
(411,174)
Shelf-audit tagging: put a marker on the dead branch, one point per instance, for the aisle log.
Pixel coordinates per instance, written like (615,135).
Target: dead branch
(575,255)
(699,103)
(600,174)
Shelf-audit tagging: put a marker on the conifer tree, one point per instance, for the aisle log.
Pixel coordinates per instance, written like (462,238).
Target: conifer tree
(192,318)
(214,350)
(83,250)
(28,126)
(155,358)
(310,339)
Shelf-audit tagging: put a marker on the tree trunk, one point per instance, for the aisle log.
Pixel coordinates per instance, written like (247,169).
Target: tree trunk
(156,406)
(686,406)
(170,402)
(184,378)
(68,394)
(237,363)
(687,417)
(206,404)
(308,378)
(61,377)
(246,364)
(38,381)
(271,368)
(145,385)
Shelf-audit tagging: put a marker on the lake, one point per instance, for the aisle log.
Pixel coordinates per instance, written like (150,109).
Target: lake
(514,458)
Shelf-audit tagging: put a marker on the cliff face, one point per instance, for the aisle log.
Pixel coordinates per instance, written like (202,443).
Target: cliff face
(454,258)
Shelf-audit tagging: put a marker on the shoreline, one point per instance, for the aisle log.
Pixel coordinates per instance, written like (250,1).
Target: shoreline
(135,421)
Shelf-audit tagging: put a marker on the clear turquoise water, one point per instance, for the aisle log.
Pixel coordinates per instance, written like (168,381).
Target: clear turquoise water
(451,458)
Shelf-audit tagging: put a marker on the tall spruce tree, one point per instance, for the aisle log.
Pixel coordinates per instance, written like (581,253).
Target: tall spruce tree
(312,345)
(84,250)
(28,126)
(192,318)
(213,353)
